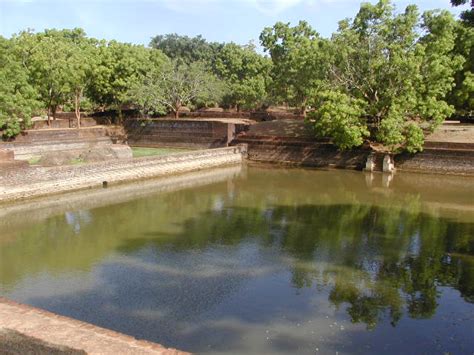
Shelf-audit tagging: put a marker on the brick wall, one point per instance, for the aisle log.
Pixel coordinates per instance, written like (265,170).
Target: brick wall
(182,133)
(302,152)
(445,158)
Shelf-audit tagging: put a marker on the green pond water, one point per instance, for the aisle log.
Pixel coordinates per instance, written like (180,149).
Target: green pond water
(256,260)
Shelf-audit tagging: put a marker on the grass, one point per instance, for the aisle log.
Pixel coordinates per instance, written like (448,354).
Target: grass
(146,152)
(77,161)
(34,160)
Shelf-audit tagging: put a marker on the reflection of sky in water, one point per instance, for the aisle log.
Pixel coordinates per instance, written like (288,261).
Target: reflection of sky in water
(221,268)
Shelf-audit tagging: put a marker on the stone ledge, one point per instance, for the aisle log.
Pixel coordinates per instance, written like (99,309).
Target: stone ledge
(35,182)
(59,331)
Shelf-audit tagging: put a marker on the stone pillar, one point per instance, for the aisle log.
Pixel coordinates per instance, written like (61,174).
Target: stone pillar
(388,164)
(370,163)
(230,132)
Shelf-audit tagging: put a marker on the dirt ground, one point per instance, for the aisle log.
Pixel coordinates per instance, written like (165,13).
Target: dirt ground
(451,131)
(454,132)
(282,128)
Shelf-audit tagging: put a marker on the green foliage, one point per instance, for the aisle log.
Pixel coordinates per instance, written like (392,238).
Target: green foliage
(188,49)
(402,73)
(48,56)
(467,16)
(121,66)
(402,77)
(245,73)
(18,99)
(175,85)
(462,94)
(340,116)
(300,61)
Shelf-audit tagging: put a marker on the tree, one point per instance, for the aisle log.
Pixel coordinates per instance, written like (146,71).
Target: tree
(340,116)
(119,67)
(402,77)
(18,99)
(245,73)
(462,95)
(300,62)
(173,86)
(467,16)
(188,49)
(81,66)
(47,56)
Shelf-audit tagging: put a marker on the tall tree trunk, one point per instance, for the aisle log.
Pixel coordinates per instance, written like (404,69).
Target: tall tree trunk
(77,104)
(120,114)
(303,111)
(53,111)
(50,106)
(177,106)
(49,115)
(304,108)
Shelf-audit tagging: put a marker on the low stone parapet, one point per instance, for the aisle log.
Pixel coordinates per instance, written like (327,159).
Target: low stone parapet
(40,181)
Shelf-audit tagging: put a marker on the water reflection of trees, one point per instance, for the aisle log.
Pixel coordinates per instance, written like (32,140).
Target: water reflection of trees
(379,262)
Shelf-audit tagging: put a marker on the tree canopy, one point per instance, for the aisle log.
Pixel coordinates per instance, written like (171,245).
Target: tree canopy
(174,85)
(18,99)
(390,79)
(384,77)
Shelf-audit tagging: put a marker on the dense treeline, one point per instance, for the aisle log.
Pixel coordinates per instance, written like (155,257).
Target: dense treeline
(383,76)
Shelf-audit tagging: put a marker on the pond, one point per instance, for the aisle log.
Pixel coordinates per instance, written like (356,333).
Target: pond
(256,260)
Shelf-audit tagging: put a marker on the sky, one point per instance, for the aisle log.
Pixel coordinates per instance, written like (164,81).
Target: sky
(239,21)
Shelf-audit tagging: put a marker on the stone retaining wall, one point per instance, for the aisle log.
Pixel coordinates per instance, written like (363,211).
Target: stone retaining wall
(40,181)
(37,142)
(13,214)
(182,133)
(59,146)
(437,157)
(64,120)
(294,151)
(28,330)
(438,160)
